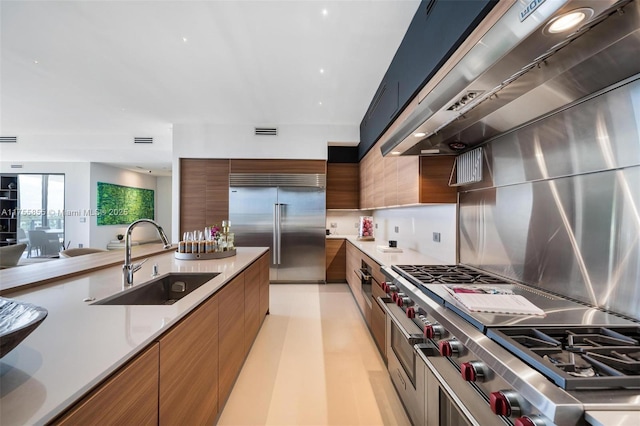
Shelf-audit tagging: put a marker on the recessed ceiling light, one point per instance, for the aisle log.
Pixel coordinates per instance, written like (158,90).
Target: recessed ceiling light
(36,61)
(321,70)
(320,103)
(420,134)
(184,39)
(325,12)
(568,20)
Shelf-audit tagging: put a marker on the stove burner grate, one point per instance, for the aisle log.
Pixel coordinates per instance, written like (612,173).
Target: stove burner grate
(578,357)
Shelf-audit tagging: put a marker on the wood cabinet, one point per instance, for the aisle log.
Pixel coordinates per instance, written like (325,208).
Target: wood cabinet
(230,335)
(252,313)
(434,180)
(204,193)
(130,396)
(353,265)
(8,209)
(186,376)
(405,180)
(189,368)
(379,327)
(265,264)
(343,186)
(336,260)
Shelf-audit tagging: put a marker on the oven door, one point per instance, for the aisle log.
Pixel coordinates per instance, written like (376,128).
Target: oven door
(450,400)
(405,370)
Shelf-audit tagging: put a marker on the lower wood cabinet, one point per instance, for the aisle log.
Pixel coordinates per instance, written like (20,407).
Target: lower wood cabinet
(265,265)
(187,375)
(230,335)
(129,397)
(252,316)
(189,368)
(336,260)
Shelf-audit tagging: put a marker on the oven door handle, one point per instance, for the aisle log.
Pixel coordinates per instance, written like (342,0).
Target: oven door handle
(363,275)
(409,337)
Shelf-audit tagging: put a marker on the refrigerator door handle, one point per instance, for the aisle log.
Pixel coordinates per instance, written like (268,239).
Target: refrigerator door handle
(279,232)
(275,234)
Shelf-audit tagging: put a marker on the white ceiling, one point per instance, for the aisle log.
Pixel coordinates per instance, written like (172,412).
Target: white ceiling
(137,67)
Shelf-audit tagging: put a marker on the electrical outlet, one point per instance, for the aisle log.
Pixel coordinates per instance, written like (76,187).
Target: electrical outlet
(396,229)
(376,226)
(80,245)
(355,225)
(436,237)
(334,225)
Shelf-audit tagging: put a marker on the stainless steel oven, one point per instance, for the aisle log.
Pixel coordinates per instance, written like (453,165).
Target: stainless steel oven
(405,370)
(449,400)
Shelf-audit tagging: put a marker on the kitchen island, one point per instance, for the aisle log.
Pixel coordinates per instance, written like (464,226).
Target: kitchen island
(79,345)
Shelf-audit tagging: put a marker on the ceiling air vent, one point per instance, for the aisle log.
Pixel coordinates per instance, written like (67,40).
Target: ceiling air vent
(142,140)
(266,131)
(8,139)
(16,166)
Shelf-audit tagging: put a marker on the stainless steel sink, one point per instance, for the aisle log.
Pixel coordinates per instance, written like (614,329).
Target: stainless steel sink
(164,290)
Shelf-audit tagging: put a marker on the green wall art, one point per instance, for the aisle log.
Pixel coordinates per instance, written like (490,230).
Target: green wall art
(121,205)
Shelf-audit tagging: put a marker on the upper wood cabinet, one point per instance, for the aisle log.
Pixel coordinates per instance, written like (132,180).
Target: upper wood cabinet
(204,193)
(130,396)
(405,180)
(434,180)
(343,186)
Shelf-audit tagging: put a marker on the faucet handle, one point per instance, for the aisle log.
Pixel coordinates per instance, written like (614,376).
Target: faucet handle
(137,266)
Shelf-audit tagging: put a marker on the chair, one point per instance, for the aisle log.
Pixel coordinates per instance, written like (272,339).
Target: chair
(23,239)
(73,252)
(10,255)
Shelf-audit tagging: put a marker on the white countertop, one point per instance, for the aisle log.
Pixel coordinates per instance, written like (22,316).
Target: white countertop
(407,257)
(78,344)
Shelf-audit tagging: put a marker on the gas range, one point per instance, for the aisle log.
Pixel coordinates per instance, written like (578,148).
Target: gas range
(575,358)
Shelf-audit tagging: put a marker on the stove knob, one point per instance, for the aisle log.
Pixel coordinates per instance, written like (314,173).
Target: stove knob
(404,301)
(411,312)
(390,288)
(450,348)
(432,331)
(397,296)
(530,421)
(505,403)
(473,371)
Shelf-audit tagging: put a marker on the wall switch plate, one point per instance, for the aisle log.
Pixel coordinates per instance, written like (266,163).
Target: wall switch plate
(436,237)
(376,226)
(80,245)
(355,225)
(83,220)
(396,229)
(334,224)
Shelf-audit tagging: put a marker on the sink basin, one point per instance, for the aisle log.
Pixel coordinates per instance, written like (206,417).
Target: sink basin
(164,290)
(17,321)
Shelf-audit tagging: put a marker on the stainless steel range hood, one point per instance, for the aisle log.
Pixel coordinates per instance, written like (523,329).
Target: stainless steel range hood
(518,71)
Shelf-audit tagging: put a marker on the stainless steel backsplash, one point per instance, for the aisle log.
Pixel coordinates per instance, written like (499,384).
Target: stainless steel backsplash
(559,206)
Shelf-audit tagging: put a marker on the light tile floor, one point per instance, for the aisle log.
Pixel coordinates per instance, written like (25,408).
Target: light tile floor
(313,363)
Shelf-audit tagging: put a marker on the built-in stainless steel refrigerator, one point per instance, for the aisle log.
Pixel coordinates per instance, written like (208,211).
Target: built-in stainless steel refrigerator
(285,212)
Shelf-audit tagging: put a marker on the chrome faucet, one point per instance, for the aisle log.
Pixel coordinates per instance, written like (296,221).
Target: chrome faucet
(128,269)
